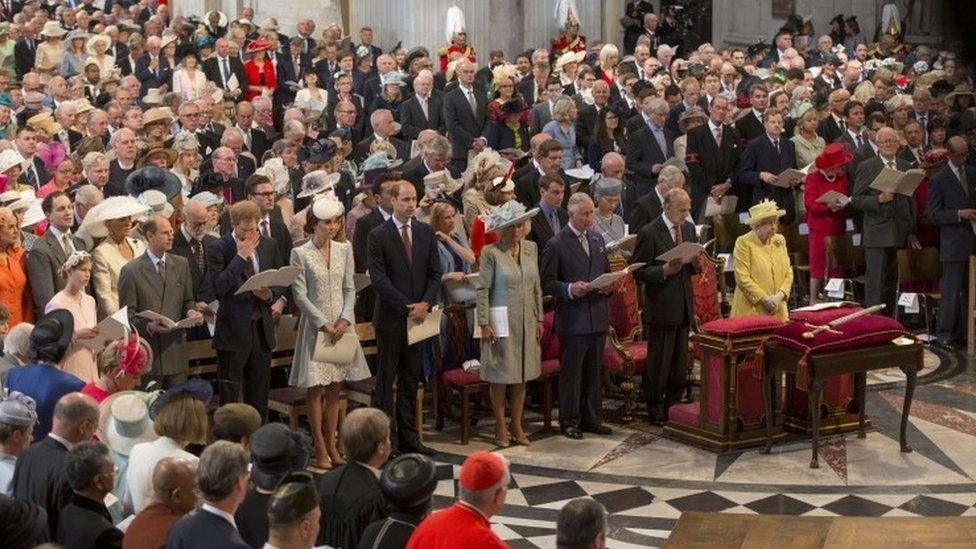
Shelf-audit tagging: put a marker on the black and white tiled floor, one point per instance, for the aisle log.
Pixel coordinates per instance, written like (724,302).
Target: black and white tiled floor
(647,481)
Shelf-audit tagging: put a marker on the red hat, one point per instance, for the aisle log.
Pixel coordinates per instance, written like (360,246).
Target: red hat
(936,158)
(258,45)
(481,471)
(834,155)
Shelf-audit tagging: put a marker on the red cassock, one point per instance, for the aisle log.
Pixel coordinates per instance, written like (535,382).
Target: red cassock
(821,221)
(458,526)
(254,77)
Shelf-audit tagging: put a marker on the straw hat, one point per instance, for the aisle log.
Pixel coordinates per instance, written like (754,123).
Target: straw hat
(167,40)
(269,24)
(158,114)
(959,91)
(898,102)
(508,214)
(77,34)
(53,29)
(18,201)
(251,27)
(10,158)
(170,155)
(124,421)
(113,207)
(97,39)
(763,210)
(45,123)
(688,115)
(83,105)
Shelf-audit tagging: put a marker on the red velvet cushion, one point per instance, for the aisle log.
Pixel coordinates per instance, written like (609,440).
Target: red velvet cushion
(550,341)
(613,362)
(742,325)
(861,332)
(460,378)
(824,316)
(685,414)
(550,367)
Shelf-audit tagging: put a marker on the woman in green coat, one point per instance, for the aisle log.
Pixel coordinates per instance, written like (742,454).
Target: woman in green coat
(509,290)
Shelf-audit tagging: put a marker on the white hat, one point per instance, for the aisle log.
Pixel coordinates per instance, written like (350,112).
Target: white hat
(10,158)
(508,214)
(156,200)
(33,215)
(326,206)
(53,28)
(113,207)
(503,184)
(455,22)
(392,77)
(208,199)
(586,173)
(569,57)
(26,199)
(275,170)
(168,39)
(317,182)
(124,421)
(98,38)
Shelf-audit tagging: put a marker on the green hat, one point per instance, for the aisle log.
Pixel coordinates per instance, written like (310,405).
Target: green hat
(237,419)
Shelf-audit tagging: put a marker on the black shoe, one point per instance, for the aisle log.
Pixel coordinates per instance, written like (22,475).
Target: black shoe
(419,449)
(596,429)
(571,431)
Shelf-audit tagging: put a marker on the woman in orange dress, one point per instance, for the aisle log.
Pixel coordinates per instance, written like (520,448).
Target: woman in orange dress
(14,291)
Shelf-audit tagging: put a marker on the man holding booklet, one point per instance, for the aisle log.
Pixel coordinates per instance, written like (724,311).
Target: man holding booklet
(889,208)
(668,301)
(159,283)
(767,165)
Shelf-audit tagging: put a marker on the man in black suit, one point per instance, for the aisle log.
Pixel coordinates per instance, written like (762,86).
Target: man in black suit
(712,157)
(244,335)
(424,110)
(834,126)
(39,475)
(36,174)
(590,114)
(382,189)
(571,260)
(750,124)
(384,129)
(297,63)
(222,479)
(889,223)
(373,86)
(404,268)
(127,63)
(952,206)
(243,164)
(913,149)
(690,96)
(649,145)
(25,49)
(668,303)
(152,69)
(434,157)
(650,206)
(255,140)
(260,190)
(191,242)
(530,88)
(547,160)
(764,158)
(552,216)
(465,111)
(45,260)
(853,120)
(85,522)
(221,67)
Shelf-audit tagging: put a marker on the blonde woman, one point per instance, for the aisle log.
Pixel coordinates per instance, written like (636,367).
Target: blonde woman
(50,52)
(808,144)
(187,166)
(562,128)
(607,64)
(485,167)
(112,219)
(79,361)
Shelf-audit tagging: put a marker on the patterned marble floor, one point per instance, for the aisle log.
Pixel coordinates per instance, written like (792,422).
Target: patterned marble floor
(647,481)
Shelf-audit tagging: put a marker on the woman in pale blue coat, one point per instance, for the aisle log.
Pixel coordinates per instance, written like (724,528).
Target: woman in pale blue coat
(509,279)
(325,294)
(562,128)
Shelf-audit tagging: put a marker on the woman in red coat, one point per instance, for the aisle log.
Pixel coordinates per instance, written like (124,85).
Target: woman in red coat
(825,219)
(259,70)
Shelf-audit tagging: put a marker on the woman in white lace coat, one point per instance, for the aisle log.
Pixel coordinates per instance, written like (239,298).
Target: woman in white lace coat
(189,82)
(325,294)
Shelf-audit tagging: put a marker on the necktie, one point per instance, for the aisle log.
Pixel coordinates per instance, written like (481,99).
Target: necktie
(423,105)
(554,222)
(265,231)
(226,70)
(843,126)
(32,176)
(67,244)
(585,243)
(407,244)
(161,269)
(857,141)
(472,102)
(718,136)
(677,234)
(776,145)
(891,164)
(196,247)
(961,175)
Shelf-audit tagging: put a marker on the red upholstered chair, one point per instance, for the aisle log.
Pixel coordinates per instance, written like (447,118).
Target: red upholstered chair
(452,378)
(708,287)
(626,356)
(550,369)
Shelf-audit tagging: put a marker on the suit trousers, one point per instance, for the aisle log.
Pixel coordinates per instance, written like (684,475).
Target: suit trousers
(246,370)
(667,351)
(953,287)
(401,365)
(581,357)
(881,278)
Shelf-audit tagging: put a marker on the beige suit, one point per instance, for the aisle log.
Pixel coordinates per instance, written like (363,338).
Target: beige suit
(107,262)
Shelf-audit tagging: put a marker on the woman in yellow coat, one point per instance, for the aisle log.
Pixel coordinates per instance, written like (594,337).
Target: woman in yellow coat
(763,275)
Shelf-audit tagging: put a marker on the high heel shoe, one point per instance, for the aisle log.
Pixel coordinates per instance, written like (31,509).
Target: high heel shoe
(521,440)
(322,464)
(502,442)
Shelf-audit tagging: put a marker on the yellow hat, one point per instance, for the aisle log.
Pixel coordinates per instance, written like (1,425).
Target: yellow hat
(763,210)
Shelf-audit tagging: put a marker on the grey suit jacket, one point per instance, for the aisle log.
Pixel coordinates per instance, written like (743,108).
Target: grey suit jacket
(140,289)
(44,269)
(885,225)
(541,115)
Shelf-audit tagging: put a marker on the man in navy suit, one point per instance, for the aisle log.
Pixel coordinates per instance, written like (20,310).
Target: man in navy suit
(571,260)
(244,335)
(404,268)
(152,69)
(465,110)
(649,146)
(952,206)
(764,159)
(222,478)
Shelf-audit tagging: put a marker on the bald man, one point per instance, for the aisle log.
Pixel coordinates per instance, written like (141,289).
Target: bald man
(174,495)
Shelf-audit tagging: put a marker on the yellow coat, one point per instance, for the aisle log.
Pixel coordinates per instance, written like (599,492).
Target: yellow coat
(760,271)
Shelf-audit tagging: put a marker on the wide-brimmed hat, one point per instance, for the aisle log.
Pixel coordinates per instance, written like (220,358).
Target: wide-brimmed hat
(569,57)
(208,199)
(170,155)
(53,333)
(44,122)
(409,481)
(113,207)
(690,114)
(508,214)
(763,210)
(52,28)
(17,200)
(221,22)
(123,421)
(33,215)
(97,39)
(167,39)
(158,114)
(321,150)
(77,34)
(959,91)
(82,106)
(934,159)
(199,389)
(157,203)
(584,173)
(834,155)
(276,450)
(250,26)
(152,97)
(317,182)
(898,101)
(258,45)
(441,183)
(153,178)
(10,158)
